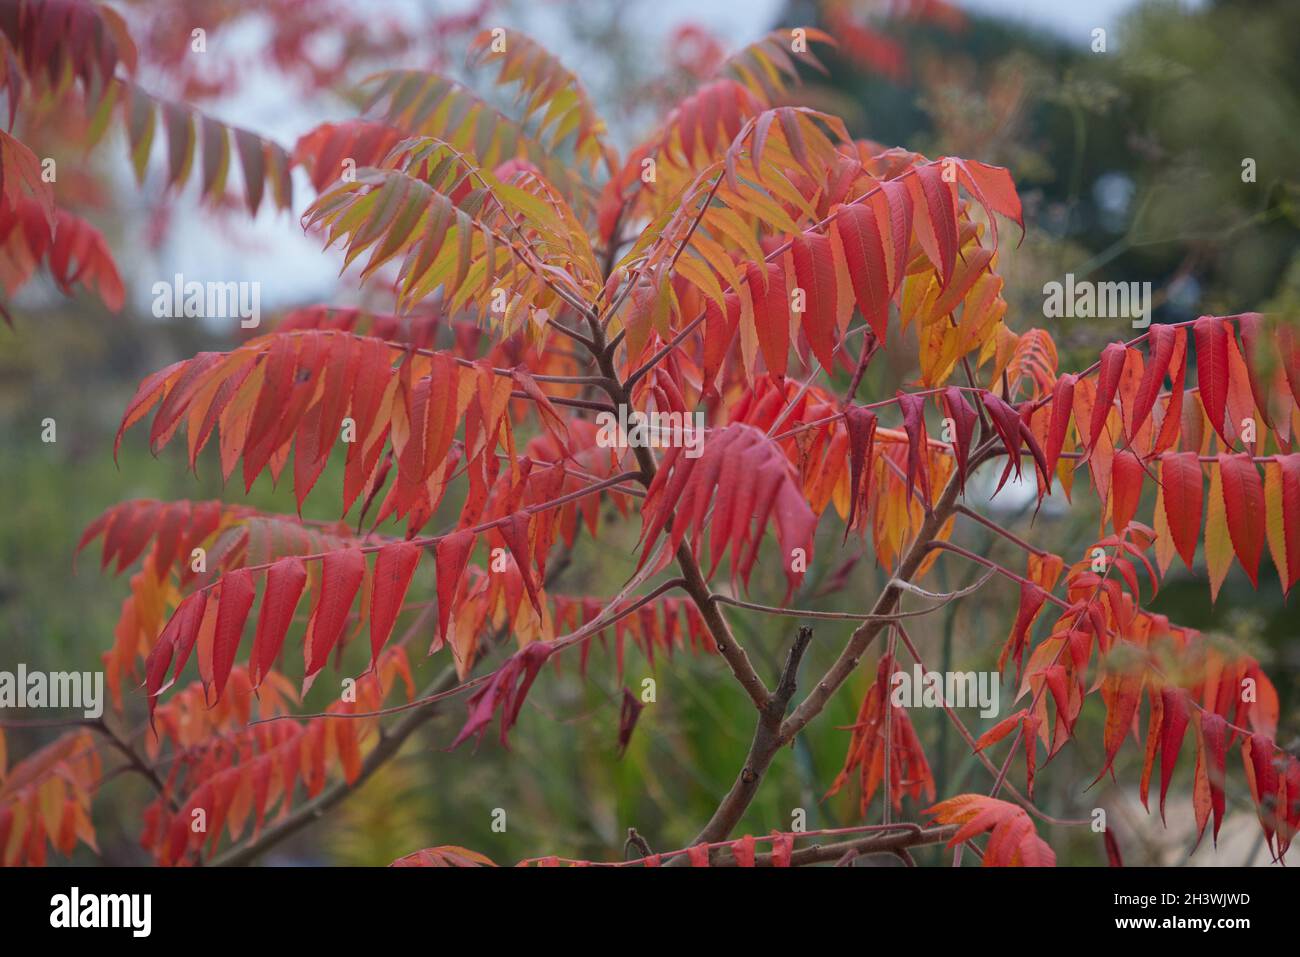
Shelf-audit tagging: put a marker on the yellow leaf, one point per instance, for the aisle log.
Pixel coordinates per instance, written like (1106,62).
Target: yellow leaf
(1273,519)
(1218,546)
(1165,549)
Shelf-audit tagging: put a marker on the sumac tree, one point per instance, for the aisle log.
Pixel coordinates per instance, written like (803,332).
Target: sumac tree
(741,268)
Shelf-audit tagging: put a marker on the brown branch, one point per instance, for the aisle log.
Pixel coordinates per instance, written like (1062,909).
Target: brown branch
(892,843)
(885,838)
(134,761)
(694,582)
(636,842)
(999,530)
(571,403)
(767,741)
(885,605)
(942,599)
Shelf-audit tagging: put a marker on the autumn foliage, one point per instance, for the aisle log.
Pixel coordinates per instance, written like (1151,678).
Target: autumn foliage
(747,261)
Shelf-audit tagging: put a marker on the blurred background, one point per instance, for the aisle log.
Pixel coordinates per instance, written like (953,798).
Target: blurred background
(1129,161)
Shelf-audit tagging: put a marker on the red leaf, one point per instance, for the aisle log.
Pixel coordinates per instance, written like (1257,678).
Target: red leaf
(1183,486)
(963,420)
(937,228)
(374,371)
(743,851)
(994,189)
(1000,730)
(1112,367)
(80,254)
(285,581)
(1211,335)
(440,420)
(748,481)
(628,713)
(1214,734)
(323,148)
(1126,488)
(814,269)
(321,427)
(545,410)
(394,566)
(719,333)
(913,409)
(514,531)
(236,598)
(1162,340)
(1062,405)
(1243,499)
(506,689)
(187,384)
(1122,693)
(1029,736)
(179,633)
(451,555)
(1031,601)
(1171,427)
(1264,781)
(149,392)
(1012,838)
(1289,347)
(1289,811)
(1171,737)
(771,316)
(1290,468)
(280,364)
(1249,323)
(865,254)
(341,575)
(894,203)
(1154,723)
(1012,430)
(1112,849)
(861,425)
(782,848)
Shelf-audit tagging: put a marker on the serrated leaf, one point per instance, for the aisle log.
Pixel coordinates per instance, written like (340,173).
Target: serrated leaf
(285,581)
(341,574)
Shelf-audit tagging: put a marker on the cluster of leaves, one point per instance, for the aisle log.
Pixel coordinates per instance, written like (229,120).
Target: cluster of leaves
(45,799)
(33,231)
(224,772)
